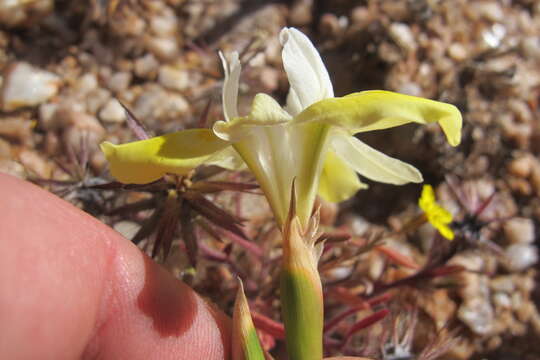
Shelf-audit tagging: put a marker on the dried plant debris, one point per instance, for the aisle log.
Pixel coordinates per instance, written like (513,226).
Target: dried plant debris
(180,203)
(79,73)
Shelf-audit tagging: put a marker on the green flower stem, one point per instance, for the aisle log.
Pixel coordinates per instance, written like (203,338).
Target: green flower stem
(302,311)
(301,289)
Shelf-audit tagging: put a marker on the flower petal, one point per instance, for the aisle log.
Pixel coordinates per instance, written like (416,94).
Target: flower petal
(141,162)
(306,72)
(371,163)
(230,84)
(227,158)
(276,153)
(427,198)
(445,231)
(293,106)
(441,215)
(376,110)
(265,111)
(338,181)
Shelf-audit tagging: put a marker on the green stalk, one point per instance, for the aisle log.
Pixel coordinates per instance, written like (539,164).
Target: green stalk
(302,311)
(301,289)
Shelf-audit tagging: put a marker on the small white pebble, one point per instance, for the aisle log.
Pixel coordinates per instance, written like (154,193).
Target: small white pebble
(87,83)
(410,88)
(14,168)
(469,260)
(403,36)
(376,267)
(127,229)
(358,225)
(164,48)
(521,166)
(119,81)
(96,99)
(457,51)
(520,256)
(23,12)
(502,300)
(477,314)
(521,110)
(516,300)
(77,126)
(25,85)
(173,78)
(484,188)
(112,112)
(503,284)
(163,25)
(146,66)
(519,230)
(490,10)
(35,163)
(339,273)
(46,113)
(176,104)
(531,47)
(493,36)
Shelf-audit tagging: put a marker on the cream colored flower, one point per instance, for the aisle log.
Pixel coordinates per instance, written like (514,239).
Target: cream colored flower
(311,140)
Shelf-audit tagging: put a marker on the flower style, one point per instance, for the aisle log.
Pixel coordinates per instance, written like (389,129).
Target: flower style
(312,139)
(437,216)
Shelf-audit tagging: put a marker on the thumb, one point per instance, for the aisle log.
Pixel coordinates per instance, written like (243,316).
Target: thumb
(73,288)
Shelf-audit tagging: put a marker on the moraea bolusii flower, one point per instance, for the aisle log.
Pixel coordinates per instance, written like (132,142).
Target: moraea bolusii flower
(312,139)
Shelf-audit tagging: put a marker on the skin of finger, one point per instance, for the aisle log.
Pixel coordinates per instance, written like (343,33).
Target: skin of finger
(70,287)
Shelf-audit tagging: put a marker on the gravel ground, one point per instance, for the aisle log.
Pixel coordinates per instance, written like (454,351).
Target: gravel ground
(67,65)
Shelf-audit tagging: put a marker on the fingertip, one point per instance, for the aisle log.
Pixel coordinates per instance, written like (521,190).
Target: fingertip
(152,315)
(67,276)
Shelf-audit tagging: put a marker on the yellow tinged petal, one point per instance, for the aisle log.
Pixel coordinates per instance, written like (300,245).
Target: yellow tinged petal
(227,158)
(427,198)
(141,162)
(371,163)
(377,110)
(446,232)
(265,111)
(441,214)
(231,83)
(276,153)
(338,181)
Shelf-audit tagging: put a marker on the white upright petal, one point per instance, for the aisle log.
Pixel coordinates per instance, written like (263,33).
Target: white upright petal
(371,163)
(293,107)
(306,72)
(230,84)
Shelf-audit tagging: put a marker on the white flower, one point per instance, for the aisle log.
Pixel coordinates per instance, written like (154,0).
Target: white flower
(312,139)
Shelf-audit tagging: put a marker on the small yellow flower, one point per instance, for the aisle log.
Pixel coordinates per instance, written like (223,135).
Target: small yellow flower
(437,216)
